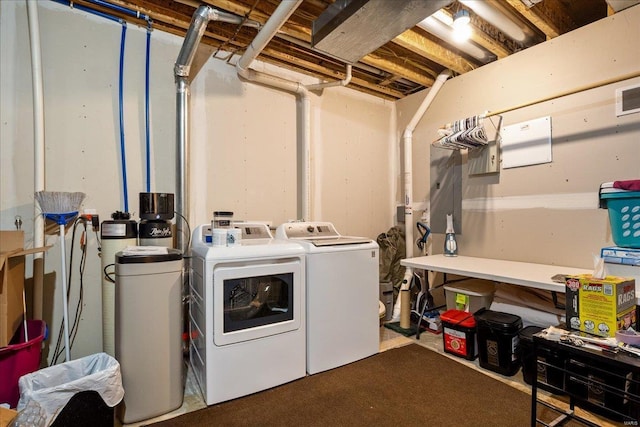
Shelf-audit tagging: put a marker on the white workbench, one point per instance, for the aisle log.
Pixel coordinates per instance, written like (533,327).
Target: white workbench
(513,272)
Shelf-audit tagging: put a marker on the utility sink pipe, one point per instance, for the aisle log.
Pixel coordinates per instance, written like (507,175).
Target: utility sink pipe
(407,138)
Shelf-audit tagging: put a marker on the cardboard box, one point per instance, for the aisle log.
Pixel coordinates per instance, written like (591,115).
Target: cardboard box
(617,255)
(12,257)
(6,415)
(600,306)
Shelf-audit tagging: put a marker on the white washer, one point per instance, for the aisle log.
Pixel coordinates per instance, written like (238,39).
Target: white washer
(342,294)
(247,317)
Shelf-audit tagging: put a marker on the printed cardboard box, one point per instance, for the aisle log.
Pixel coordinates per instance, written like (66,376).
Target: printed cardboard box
(600,306)
(12,258)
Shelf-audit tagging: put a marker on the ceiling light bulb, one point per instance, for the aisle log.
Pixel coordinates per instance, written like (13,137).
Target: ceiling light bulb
(461,19)
(462,33)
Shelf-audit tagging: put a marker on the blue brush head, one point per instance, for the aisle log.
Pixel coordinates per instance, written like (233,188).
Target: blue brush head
(61,218)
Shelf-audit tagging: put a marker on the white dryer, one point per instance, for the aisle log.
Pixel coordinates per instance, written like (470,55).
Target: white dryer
(247,317)
(342,294)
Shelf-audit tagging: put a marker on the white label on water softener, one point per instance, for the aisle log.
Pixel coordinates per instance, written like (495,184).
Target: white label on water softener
(114,230)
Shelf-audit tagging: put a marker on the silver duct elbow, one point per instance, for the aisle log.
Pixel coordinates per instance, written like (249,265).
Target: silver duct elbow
(199,21)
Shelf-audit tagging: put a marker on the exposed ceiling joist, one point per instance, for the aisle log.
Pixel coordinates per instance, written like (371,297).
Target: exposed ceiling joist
(549,16)
(404,65)
(433,51)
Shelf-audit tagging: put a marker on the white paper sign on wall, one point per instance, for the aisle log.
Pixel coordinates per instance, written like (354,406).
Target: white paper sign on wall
(526,143)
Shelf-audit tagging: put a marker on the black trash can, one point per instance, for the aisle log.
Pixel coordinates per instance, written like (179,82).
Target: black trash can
(498,341)
(77,393)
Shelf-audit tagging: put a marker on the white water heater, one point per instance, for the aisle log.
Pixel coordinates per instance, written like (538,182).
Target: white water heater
(115,235)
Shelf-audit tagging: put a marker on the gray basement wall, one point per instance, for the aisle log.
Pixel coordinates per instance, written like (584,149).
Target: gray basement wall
(546,213)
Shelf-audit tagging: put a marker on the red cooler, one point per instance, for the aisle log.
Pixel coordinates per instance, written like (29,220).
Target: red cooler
(459,333)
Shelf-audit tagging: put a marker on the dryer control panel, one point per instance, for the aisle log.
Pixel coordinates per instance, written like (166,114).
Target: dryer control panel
(309,230)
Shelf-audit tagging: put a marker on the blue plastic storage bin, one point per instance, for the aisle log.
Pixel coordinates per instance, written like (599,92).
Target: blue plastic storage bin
(624,216)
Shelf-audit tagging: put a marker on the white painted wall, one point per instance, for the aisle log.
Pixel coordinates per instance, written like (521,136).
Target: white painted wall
(244,142)
(545,213)
(244,147)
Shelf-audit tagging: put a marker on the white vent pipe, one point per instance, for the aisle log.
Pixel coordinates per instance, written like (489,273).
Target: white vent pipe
(446,32)
(495,17)
(343,82)
(407,138)
(38,151)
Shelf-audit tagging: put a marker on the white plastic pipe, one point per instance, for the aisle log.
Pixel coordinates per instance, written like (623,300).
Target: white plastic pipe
(446,32)
(38,152)
(492,15)
(65,308)
(343,82)
(408,158)
(408,183)
(268,31)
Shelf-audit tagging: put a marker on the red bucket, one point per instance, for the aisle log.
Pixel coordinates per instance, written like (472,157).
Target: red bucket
(20,359)
(459,333)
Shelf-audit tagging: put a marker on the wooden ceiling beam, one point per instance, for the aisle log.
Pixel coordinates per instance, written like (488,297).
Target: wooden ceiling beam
(321,71)
(304,34)
(431,50)
(397,69)
(550,16)
(407,64)
(167,15)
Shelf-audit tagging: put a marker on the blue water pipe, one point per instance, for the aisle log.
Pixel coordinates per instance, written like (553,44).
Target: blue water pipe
(146,108)
(136,14)
(89,10)
(118,8)
(125,192)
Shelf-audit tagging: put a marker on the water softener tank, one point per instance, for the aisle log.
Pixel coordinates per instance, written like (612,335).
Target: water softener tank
(148,333)
(156,211)
(115,235)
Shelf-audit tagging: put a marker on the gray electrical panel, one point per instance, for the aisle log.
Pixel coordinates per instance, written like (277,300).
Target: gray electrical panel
(446,189)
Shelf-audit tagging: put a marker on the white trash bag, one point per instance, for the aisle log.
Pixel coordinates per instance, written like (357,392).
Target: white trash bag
(51,388)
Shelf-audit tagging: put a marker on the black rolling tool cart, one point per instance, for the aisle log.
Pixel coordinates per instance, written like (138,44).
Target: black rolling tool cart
(600,381)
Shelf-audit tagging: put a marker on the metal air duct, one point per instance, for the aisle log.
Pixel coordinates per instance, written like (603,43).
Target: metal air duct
(183,76)
(351,29)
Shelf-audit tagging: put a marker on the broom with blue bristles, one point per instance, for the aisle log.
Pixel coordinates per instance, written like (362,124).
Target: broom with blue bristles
(62,208)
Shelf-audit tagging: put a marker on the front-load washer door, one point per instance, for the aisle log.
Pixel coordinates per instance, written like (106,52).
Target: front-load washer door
(255,301)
